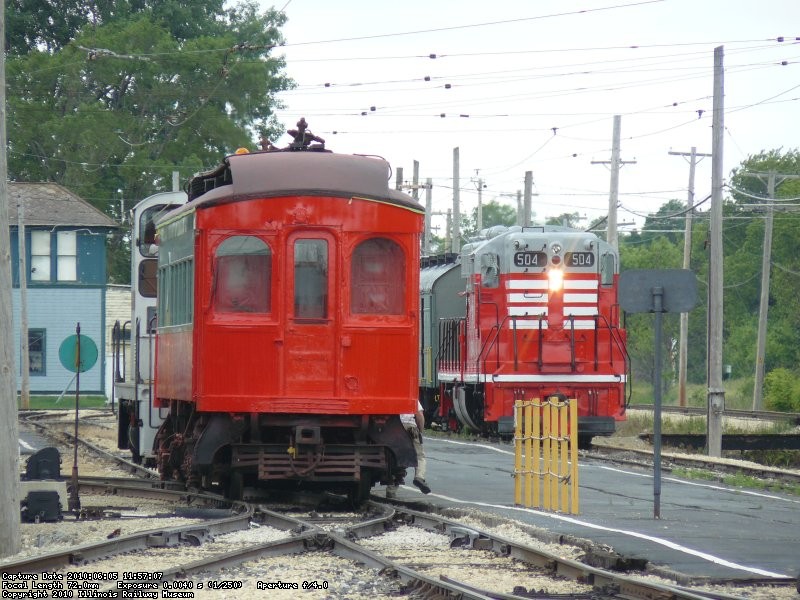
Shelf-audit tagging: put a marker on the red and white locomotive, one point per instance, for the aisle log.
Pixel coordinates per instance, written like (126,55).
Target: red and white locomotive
(287,324)
(537,316)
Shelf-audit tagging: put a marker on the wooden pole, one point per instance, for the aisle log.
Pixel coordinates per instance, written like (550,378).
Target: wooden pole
(9,434)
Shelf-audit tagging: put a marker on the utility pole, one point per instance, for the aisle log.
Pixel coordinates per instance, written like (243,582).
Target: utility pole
(9,429)
(766,259)
(520,212)
(399,181)
(526,204)
(428,208)
(414,186)
(415,181)
(716,393)
(456,247)
(448,236)
(24,356)
(613,196)
(479,185)
(687,255)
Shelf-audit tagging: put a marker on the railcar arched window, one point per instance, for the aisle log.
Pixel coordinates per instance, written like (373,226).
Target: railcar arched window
(377,278)
(242,275)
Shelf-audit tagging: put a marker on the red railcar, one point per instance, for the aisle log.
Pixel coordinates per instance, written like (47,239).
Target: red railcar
(288,325)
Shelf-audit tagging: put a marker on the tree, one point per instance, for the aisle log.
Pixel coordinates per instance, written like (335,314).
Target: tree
(494,213)
(566,220)
(139,91)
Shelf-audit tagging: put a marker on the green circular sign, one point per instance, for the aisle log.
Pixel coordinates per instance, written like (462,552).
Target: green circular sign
(68,354)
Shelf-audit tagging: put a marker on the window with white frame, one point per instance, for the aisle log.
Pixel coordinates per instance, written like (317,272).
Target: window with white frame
(40,255)
(66,243)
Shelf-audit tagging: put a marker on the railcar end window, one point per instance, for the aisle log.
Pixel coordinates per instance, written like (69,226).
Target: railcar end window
(377,278)
(311,279)
(242,276)
(148,277)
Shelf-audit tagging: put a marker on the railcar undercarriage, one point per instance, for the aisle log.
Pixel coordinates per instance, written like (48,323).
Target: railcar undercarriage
(275,452)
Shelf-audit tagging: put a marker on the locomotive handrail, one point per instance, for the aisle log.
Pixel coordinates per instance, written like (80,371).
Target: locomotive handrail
(615,338)
(494,334)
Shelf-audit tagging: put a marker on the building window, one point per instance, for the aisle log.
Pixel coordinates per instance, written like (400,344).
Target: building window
(67,246)
(36,351)
(40,256)
(242,276)
(377,278)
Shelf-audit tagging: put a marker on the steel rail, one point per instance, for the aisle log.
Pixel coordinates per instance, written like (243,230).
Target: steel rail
(760,415)
(604,581)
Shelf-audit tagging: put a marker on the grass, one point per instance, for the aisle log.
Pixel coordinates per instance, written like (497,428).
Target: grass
(66,402)
(738,480)
(738,394)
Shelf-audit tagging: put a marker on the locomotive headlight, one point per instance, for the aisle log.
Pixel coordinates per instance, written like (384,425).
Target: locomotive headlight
(555,247)
(556,279)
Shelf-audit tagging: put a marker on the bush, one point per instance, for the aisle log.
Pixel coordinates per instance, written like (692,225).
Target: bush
(782,391)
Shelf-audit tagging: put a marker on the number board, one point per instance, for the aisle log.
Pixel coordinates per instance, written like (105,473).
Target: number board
(579,259)
(530,259)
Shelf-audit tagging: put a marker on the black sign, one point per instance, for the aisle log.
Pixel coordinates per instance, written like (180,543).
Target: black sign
(677,289)
(579,259)
(530,259)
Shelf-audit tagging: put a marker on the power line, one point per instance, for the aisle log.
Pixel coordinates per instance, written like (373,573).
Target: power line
(475,25)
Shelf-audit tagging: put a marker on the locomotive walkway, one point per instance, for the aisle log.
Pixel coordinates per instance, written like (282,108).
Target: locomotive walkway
(706,529)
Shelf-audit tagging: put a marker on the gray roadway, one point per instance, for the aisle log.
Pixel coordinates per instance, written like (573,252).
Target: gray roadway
(705,529)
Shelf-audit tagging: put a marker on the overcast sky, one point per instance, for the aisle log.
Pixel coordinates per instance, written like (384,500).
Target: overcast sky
(539,83)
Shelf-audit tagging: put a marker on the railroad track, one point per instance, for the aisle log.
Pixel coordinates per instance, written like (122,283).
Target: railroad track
(300,536)
(175,565)
(758,415)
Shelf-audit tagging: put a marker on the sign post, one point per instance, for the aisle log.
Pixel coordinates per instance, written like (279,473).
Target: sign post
(77,359)
(657,291)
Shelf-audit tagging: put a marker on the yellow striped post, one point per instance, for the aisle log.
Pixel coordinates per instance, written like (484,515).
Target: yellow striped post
(536,452)
(573,441)
(546,455)
(552,468)
(518,404)
(563,471)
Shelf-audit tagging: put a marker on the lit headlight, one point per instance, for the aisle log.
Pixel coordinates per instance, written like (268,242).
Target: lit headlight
(556,278)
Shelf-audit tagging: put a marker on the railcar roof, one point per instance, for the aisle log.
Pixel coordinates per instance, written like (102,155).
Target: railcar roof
(298,173)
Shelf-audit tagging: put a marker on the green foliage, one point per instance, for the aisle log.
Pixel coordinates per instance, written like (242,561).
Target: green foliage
(782,390)
(743,242)
(119,95)
(566,220)
(493,214)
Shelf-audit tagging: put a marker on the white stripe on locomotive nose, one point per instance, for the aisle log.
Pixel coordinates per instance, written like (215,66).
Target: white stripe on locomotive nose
(580,284)
(532,298)
(527,284)
(543,284)
(580,298)
(580,311)
(527,311)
